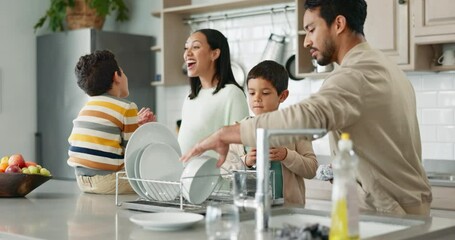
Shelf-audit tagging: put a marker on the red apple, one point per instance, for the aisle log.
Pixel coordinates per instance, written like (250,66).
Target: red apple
(16,159)
(28,163)
(13,169)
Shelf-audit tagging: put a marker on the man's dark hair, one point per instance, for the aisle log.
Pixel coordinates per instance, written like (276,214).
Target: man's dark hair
(94,72)
(355,11)
(271,71)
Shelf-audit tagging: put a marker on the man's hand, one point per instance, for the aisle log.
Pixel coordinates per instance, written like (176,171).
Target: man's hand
(218,141)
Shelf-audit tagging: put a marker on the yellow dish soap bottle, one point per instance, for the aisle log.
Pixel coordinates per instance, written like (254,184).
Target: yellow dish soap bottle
(345,209)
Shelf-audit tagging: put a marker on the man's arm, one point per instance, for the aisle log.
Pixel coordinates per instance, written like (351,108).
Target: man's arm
(218,141)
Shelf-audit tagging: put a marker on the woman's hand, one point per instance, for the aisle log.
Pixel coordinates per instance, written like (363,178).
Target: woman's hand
(145,115)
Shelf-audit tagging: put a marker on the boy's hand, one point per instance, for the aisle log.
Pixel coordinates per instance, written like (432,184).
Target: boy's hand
(251,157)
(278,154)
(275,154)
(145,115)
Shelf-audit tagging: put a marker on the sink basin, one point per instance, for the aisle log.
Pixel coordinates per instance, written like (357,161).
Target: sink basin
(370,226)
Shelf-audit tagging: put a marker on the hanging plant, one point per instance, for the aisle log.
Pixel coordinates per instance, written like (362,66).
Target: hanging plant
(58,11)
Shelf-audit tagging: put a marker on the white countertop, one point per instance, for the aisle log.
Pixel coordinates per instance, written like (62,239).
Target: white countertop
(58,210)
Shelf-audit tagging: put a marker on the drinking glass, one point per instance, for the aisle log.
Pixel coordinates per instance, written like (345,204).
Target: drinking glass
(222,221)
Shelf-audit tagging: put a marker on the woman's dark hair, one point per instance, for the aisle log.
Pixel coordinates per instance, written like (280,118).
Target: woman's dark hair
(223,71)
(94,72)
(355,11)
(270,71)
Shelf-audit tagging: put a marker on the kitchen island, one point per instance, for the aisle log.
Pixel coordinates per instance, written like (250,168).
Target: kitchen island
(58,210)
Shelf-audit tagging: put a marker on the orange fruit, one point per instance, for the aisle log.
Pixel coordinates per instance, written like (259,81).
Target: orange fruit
(3,166)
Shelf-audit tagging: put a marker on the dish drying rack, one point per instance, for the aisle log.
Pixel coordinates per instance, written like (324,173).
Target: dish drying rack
(222,193)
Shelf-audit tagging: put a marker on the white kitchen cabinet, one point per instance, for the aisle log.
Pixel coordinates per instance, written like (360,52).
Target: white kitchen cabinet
(434,17)
(386,28)
(433,25)
(175,32)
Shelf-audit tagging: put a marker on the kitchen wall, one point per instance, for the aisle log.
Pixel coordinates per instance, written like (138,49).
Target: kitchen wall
(248,38)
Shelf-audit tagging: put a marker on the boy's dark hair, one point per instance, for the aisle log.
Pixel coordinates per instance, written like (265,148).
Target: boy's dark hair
(271,71)
(355,11)
(223,70)
(94,72)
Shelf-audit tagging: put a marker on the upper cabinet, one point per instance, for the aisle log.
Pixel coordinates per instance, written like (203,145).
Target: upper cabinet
(175,31)
(434,17)
(386,28)
(433,31)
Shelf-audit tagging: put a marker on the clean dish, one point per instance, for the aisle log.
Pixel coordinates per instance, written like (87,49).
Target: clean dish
(166,221)
(130,171)
(199,179)
(140,185)
(161,162)
(152,132)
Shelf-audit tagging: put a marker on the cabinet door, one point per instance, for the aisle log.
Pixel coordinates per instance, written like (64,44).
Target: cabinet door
(387,28)
(434,17)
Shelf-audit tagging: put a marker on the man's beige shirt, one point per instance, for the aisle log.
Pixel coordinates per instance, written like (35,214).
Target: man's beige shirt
(370,98)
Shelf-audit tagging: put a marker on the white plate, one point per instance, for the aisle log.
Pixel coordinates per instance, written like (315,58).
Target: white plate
(166,221)
(152,132)
(199,179)
(161,162)
(129,168)
(140,185)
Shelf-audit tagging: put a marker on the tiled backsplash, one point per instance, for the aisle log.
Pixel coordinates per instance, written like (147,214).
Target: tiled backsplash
(248,36)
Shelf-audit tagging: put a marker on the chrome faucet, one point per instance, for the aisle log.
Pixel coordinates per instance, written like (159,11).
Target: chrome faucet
(262,201)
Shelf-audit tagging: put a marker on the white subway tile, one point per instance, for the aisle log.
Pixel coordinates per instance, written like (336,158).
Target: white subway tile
(437,116)
(437,150)
(428,133)
(416,81)
(446,134)
(437,82)
(446,99)
(427,99)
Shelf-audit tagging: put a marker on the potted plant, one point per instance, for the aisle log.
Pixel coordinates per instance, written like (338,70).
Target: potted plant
(81,13)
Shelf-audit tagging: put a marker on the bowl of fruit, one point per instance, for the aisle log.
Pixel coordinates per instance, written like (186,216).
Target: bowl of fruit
(19,177)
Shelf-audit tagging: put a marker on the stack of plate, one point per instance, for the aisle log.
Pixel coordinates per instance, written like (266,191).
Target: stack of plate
(154,170)
(152,154)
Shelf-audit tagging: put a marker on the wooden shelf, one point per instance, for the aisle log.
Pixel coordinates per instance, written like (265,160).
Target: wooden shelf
(220,6)
(442,68)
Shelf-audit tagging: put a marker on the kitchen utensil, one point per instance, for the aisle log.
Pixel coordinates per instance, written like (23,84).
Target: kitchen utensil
(199,178)
(291,68)
(321,69)
(238,72)
(20,184)
(160,161)
(166,221)
(222,221)
(448,55)
(274,48)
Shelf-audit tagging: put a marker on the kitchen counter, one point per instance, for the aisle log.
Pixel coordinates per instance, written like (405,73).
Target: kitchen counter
(58,210)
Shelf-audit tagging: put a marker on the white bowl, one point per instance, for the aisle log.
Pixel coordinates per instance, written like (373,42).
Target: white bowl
(199,179)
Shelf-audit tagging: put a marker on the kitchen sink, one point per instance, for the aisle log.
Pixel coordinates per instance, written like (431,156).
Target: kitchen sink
(371,226)
(441,176)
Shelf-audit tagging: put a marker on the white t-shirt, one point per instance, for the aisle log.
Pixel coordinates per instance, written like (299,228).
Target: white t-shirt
(208,112)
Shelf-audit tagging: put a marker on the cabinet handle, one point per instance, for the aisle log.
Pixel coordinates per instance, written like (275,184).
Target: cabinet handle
(401,1)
